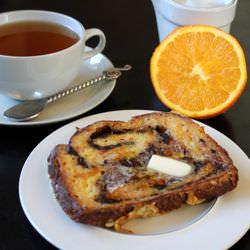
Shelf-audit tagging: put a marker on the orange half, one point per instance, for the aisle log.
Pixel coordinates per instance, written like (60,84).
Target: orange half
(199,71)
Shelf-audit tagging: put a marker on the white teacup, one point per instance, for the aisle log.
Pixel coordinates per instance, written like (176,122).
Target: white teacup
(35,77)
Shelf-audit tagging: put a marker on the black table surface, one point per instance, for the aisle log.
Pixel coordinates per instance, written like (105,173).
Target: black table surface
(131,32)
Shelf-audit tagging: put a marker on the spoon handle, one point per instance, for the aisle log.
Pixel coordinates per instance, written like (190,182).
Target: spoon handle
(107,75)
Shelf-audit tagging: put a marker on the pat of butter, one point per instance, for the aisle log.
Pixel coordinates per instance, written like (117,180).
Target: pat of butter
(169,166)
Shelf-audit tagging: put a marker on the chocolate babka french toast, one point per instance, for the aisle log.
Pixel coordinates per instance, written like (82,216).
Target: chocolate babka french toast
(101,176)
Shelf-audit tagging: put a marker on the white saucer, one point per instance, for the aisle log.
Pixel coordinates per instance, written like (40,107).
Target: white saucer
(73,105)
(219,226)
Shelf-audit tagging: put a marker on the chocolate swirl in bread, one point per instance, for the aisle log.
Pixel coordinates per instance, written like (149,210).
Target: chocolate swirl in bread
(101,176)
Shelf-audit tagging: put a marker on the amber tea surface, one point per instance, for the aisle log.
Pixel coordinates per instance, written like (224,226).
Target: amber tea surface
(32,38)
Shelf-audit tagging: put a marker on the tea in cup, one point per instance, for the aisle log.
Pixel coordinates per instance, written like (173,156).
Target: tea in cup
(41,52)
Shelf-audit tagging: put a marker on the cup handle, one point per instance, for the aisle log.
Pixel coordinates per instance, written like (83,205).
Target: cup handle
(100,46)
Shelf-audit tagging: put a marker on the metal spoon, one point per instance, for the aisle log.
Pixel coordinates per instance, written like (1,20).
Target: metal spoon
(28,110)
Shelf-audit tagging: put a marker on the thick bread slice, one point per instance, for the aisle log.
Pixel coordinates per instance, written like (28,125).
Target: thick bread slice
(101,178)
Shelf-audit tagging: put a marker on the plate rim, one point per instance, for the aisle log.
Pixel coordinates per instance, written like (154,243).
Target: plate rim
(137,112)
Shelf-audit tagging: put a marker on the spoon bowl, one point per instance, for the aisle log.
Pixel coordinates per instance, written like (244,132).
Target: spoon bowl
(26,110)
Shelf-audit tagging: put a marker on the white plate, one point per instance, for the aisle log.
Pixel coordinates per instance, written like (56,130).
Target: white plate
(226,222)
(73,105)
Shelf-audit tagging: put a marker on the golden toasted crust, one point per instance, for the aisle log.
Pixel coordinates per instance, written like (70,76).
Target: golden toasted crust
(101,178)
